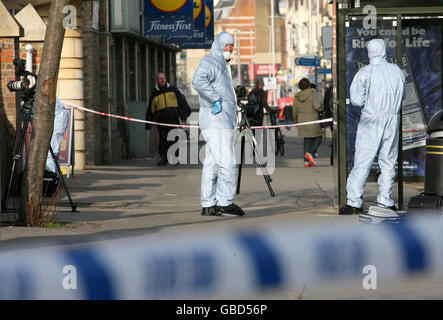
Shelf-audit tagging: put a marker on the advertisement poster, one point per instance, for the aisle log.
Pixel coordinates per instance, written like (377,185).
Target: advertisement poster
(65,153)
(209,23)
(166,18)
(203,28)
(422,69)
(198,39)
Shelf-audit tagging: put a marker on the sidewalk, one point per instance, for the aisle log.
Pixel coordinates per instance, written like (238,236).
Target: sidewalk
(138,201)
(133,198)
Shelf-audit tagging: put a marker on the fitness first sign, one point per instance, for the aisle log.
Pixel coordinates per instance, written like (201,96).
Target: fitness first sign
(166,18)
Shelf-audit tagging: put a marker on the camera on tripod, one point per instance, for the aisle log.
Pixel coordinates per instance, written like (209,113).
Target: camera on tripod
(25,86)
(240,91)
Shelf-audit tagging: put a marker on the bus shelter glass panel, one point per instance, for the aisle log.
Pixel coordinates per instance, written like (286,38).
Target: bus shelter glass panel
(358,32)
(421,65)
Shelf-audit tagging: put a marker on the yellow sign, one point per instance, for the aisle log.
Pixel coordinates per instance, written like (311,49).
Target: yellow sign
(208,17)
(168,5)
(197,8)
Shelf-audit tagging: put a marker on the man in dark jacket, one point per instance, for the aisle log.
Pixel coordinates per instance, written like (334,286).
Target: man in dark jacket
(166,105)
(259,97)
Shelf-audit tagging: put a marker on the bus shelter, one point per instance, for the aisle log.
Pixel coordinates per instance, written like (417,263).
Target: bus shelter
(412,32)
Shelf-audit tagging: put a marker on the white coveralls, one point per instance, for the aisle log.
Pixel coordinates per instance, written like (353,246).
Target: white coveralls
(379,89)
(212,80)
(60,124)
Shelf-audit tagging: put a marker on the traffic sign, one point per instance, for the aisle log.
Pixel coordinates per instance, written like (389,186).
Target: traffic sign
(324,71)
(307,62)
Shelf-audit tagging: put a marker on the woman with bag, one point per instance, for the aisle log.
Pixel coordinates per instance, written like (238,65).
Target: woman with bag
(306,108)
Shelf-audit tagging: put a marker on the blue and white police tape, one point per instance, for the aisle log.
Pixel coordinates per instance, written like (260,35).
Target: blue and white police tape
(221,264)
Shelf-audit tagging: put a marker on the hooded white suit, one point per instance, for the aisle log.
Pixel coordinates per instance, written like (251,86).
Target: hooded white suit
(212,80)
(379,89)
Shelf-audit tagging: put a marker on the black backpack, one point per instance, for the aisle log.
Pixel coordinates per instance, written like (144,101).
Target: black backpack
(253,105)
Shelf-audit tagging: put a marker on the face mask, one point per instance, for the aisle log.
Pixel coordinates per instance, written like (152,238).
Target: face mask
(227,55)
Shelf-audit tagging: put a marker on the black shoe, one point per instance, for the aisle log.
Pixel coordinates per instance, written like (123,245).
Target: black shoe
(394,208)
(210,211)
(232,210)
(348,210)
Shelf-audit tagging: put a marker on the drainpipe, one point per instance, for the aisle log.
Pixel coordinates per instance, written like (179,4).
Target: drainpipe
(108,48)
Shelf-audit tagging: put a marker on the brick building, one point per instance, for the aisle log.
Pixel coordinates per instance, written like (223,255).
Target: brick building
(106,65)
(250,23)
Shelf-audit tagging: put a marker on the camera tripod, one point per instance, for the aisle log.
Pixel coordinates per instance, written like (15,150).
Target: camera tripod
(245,125)
(17,155)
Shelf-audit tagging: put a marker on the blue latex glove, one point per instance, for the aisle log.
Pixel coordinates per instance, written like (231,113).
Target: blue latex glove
(216,107)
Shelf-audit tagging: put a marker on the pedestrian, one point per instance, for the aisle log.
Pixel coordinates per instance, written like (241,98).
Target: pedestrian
(287,113)
(327,106)
(257,101)
(166,105)
(378,89)
(217,120)
(306,106)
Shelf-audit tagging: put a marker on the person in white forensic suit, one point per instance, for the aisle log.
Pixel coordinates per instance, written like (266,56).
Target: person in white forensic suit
(217,120)
(378,89)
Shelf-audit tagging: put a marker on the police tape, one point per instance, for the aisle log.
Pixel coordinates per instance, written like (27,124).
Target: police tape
(185,126)
(224,263)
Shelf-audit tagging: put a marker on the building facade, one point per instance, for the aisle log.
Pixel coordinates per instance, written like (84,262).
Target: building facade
(297,32)
(107,65)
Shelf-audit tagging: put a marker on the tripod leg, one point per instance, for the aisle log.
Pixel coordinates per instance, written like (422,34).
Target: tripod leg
(55,158)
(242,157)
(16,157)
(261,162)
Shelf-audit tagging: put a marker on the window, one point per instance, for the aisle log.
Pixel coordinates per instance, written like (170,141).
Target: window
(226,3)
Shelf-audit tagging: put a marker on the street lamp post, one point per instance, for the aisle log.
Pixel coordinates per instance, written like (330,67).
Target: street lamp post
(270,42)
(238,58)
(272,50)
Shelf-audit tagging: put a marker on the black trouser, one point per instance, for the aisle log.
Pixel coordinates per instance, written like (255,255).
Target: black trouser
(164,144)
(311,145)
(255,122)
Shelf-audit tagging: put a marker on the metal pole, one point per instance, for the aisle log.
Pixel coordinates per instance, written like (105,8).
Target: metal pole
(269,45)
(273,50)
(310,25)
(252,53)
(318,28)
(319,89)
(270,50)
(238,58)
(251,43)
(400,134)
